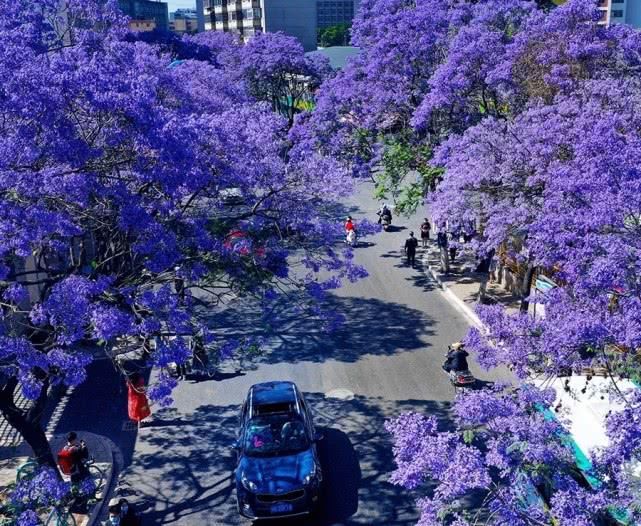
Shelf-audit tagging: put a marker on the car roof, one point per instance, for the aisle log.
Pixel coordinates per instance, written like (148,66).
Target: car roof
(273,393)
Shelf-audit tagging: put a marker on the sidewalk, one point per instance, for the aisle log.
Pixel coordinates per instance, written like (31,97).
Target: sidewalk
(102,450)
(462,284)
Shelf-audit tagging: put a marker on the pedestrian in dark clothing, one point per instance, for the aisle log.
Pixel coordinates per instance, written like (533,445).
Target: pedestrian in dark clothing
(425,232)
(441,239)
(452,247)
(456,358)
(410,249)
(128,515)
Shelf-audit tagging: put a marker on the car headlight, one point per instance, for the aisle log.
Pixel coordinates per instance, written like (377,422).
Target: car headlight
(248,484)
(312,478)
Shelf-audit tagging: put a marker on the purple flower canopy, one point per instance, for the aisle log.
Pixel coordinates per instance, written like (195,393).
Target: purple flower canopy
(115,177)
(533,116)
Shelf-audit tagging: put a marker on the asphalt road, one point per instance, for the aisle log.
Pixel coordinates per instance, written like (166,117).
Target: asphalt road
(385,361)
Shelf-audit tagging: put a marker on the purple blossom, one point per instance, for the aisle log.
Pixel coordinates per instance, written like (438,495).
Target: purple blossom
(161,390)
(15,293)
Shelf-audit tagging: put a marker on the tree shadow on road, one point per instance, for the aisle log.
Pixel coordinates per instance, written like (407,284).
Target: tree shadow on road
(184,472)
(371,327)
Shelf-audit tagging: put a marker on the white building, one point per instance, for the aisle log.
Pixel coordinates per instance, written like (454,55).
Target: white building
(248,17)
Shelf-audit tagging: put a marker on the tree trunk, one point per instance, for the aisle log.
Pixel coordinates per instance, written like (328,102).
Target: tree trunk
(27,423)
(526,286)
(445,260)
(483,288)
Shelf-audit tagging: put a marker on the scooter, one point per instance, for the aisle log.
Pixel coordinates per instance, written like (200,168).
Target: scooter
(386,221)
(461,378)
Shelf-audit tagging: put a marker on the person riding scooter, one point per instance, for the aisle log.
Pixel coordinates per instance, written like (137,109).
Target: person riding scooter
(385,216)
(456,366)
(456,358)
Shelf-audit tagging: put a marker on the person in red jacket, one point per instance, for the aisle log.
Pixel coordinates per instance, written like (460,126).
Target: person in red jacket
(349,225)
(350,231)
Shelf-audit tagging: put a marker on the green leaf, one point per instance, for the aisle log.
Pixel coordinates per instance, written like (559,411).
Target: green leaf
(468,436)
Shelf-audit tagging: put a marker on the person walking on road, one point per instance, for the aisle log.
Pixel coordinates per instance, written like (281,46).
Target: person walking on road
(425,232)
(137,403)
(410,249)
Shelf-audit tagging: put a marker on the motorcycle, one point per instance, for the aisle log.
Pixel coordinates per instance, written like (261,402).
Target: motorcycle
(386,221)
(461,378)
(385,218)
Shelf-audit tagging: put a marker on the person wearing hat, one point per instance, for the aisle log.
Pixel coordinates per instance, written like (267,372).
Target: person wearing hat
(114,518)
(410,249)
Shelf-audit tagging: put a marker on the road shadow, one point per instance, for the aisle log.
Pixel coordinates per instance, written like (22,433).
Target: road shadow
(197,377)
(364,244)
(183,473)
(395,228)
(420,277)
(371,326)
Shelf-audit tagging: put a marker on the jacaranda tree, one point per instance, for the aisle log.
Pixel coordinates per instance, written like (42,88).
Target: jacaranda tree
(530,114)
(136,192)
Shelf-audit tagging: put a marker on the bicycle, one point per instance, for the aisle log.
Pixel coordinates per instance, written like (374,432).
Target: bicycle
(97,475)
(205,361)
(27,470)
(62,516)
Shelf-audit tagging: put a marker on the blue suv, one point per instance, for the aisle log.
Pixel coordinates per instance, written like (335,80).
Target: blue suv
(278,473)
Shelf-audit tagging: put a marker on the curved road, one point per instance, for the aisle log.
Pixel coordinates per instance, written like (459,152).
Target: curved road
(385,361)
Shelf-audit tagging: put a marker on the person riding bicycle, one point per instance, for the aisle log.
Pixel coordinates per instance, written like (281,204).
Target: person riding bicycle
(456,360)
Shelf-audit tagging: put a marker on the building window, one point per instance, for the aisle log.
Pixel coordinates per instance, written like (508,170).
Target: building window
(617,13)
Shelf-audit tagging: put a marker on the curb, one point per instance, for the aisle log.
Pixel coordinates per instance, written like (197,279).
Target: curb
(98,509)
(452,298)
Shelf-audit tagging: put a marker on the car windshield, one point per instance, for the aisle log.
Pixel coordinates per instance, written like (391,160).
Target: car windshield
(275,435)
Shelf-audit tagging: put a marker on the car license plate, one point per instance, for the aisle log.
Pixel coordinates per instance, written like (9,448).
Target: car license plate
(282,507)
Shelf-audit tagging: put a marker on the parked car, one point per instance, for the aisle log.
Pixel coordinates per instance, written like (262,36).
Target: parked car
(278,473)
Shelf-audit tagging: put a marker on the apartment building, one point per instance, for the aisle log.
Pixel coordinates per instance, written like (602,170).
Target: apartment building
(183,21)
(620,12)
(139,24)
(145,10)
(248,17)
(335,12)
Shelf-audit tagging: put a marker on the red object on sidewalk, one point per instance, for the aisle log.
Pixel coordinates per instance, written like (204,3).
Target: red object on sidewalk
(65,460)
(137,403)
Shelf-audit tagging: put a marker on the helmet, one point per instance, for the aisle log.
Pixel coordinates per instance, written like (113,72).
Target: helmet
(456,346)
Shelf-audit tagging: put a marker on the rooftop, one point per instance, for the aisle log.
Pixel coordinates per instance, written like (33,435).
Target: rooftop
(338,55)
